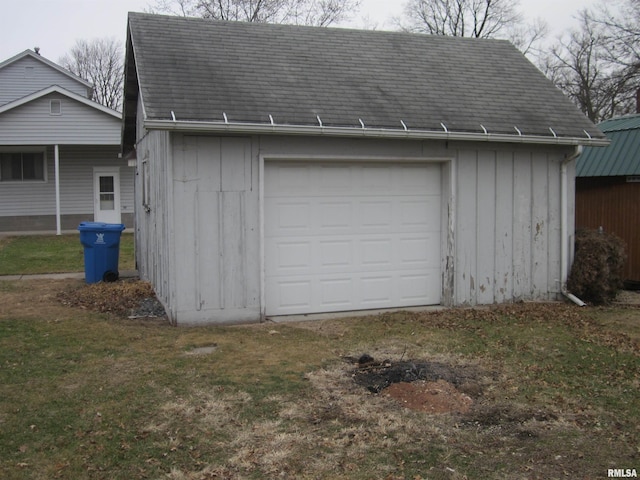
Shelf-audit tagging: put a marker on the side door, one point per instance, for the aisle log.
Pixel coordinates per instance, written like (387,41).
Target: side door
(106,194)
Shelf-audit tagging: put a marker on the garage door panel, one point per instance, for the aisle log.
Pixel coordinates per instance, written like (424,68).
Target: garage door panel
(376,177)
(333,180)
(334,214)
(417,179)
(289,179)
(293,255)
(376,213)
(290,218)
(414,287)
(376,291)
(351,254)
(292,295)
(359,236)
(336,293)
(336,253)
(415,213)
(376,253)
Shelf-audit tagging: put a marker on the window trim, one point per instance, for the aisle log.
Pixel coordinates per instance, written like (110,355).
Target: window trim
(58,102)
(146,185)
(42,150)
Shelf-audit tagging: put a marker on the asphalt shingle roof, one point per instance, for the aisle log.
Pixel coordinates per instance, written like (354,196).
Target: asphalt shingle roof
(201,69)
(621,157)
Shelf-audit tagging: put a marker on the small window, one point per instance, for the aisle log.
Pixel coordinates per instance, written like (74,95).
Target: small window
(22,166)
(55,107)
(146,186)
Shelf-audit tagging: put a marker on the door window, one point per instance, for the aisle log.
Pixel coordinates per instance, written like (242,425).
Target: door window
(107,193)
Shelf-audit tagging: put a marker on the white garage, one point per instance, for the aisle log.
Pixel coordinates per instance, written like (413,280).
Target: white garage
(385,169)
(351,236)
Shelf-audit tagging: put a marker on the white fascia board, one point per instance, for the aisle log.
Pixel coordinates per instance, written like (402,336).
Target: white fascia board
(313,130)
(62,91)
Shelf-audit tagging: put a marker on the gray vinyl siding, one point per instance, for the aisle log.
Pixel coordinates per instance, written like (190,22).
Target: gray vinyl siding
(79,124)
(76,184)
(15,84)
(199,240)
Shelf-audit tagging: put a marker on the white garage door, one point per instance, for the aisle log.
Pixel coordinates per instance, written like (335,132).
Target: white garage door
(352,236)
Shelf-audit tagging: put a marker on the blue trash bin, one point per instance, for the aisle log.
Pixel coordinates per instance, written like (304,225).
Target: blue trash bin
(101,243)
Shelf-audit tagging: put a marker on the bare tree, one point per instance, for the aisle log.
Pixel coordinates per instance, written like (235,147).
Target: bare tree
(596,66)
(100,62)
(460,18)
(529,38)
(621,20)
(298,12)
(474,18)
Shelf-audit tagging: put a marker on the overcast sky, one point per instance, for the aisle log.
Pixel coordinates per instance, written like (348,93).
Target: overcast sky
(55,25)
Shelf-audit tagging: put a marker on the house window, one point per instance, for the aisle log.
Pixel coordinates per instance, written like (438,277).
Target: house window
(55,107)
(22,166)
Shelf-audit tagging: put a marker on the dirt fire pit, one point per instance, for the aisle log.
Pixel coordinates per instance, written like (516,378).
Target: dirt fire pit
(431,387)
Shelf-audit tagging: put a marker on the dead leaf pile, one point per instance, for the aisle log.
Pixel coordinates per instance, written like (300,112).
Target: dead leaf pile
(120,298)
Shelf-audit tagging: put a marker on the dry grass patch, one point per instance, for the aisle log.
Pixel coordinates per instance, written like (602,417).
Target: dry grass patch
(554,392)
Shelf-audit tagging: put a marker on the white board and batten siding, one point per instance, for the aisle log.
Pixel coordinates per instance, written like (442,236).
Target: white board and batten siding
(28,75)
(77,124)
(214,225)
(507,232)
(242,227)
(154,229)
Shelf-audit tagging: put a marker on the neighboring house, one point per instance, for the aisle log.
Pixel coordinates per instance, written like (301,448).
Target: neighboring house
(59,151)
(292,170)
(608,187)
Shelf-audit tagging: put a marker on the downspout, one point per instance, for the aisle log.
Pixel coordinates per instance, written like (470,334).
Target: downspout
(56,161)
(564,227)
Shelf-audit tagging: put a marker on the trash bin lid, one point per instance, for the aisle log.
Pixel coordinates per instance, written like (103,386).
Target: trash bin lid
(100,227)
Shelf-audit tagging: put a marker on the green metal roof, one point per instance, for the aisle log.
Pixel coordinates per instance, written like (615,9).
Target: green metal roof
(621,157)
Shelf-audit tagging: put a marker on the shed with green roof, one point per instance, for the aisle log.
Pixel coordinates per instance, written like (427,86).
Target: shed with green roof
(608,187)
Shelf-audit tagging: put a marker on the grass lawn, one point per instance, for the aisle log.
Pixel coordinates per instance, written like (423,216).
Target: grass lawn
(30,254)
(91,395)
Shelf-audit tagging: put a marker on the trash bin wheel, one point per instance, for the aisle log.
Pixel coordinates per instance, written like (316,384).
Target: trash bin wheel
(110,276)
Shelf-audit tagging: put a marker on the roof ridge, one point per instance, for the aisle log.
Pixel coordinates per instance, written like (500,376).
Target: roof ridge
(332,28)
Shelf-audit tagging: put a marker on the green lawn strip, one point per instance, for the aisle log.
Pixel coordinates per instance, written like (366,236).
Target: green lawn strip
(37,254)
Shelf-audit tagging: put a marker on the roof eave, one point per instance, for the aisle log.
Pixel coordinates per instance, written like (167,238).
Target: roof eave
(367,132)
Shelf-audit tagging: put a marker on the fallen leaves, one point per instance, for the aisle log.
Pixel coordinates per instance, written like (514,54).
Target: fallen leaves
(119,298)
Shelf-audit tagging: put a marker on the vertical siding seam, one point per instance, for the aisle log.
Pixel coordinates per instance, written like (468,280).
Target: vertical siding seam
(549,239)
(474,278)
(513,225)
(458,270)
(196,248)
(531,227)
(243,257)
(494,274)
(221,234)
